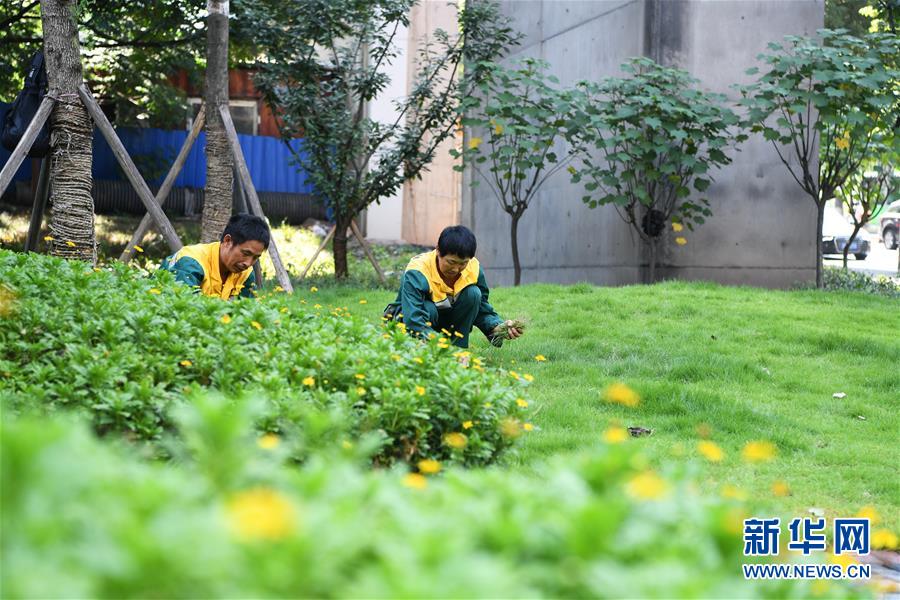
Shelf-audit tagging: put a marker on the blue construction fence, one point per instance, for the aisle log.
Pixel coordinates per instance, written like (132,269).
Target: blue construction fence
(269,159)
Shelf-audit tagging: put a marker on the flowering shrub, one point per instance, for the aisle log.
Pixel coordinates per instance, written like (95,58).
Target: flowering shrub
(83,518)
(128,349)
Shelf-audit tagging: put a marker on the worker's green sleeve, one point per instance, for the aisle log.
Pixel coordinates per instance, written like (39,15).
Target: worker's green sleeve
(249,289)
(187,270)
(414,295)
(487,317)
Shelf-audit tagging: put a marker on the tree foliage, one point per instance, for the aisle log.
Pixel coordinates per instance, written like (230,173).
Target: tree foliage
(871,187)
(325,60)
(131,49)
(821,102)
(651,142)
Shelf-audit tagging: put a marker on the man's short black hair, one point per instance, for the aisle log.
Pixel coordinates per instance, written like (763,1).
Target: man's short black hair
(457,240)
(242,227)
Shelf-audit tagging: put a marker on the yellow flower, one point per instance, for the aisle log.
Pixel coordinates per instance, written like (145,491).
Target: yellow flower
(528,377)
(540,358)
(869,512)
(843,142)
(619,393)
(455,440)
(261,514)
(360,376)
(283,309)
(527,427)
(70,244)
(759,451)
(256,325)
(418,360)
(226,319)
(7,301)
(647,486)
(317,306)
(467,424)
(268,441)
(309,381)
(510,428)
(676,227)
(884,539)
(360,391)
(458,334)
(154,291)
(522,403)
(781,489)
(278,288)
(314,289)
(733,492)
(680,241)
(429,466)
(513,374)
(420,390)
(186,363)
(845,560)
(48,238)
(138,249)
(498,128)
(474,143)
(415,481)
(710,451)
(615,435)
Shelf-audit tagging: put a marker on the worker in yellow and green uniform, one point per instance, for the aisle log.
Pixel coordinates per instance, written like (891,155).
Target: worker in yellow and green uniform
(444,292)
(223,269)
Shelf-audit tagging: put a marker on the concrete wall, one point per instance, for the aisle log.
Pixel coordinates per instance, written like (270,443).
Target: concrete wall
(763,228)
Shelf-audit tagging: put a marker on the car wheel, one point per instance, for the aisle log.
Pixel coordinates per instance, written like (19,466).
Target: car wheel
(890,238)
(860,256)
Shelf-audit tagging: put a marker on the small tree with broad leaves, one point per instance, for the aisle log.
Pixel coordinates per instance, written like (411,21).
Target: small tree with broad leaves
(647,144)
(518,120)
(821,102)
(873,186)
(322,61)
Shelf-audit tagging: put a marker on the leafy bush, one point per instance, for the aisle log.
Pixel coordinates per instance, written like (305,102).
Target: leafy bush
(854,281)
(229,519)
(129,348)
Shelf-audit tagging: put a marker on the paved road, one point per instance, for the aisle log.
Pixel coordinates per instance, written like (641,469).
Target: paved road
(880,261)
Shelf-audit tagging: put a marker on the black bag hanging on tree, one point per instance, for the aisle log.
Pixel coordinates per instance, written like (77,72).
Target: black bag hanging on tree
(24,108)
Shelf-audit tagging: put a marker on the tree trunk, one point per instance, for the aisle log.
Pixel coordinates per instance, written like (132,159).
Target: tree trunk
(514,238)
(820,219)
(652,245)
(339,248)
(849,242)
(219,161)
(71,131)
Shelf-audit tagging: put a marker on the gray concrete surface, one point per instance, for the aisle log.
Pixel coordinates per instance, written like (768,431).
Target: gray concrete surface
(763,228)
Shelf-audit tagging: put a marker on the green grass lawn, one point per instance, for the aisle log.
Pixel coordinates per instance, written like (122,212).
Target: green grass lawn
(736,364)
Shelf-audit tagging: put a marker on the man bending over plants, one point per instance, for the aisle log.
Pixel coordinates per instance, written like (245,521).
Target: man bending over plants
(444,291)
(223,269)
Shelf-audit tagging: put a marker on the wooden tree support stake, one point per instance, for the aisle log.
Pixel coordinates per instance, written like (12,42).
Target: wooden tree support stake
(134,176)
(252,198)
(355,228)
(18,155)
(242,207)
(319,251)
(163,194)
(41,194)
